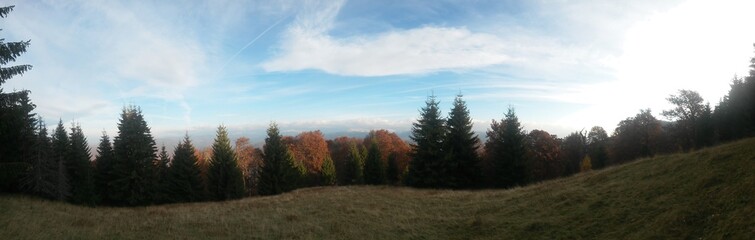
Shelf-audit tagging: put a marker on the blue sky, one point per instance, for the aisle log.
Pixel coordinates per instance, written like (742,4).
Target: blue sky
(352,66)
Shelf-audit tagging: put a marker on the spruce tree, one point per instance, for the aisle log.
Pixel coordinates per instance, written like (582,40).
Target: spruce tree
(328,173)
(104,162)
(374,171)
(60,148)
(134,180)
(225,180)
(506,148)
(183,182)
(426,166)
(80,171)
(41,178)
(161,169)
(279,173)
(356,164)
(17,122)
(461,146)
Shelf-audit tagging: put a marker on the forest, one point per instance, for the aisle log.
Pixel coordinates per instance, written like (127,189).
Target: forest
(129,169)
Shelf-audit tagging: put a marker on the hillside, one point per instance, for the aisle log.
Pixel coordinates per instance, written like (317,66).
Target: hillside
(704,194)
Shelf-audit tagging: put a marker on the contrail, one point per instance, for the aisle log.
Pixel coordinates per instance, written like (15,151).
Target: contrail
(250,44)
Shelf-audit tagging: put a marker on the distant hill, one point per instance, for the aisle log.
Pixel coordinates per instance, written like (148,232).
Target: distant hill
(707,194)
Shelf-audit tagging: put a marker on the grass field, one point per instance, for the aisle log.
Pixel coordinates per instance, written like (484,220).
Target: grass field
(706,194)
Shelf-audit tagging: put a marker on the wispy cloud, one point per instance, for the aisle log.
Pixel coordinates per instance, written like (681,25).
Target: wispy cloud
(308,45)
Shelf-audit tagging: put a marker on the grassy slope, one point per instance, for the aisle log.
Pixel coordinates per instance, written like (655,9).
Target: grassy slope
(704,194)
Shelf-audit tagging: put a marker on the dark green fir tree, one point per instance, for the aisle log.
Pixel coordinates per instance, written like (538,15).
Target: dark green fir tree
(225,180)
(374,170)
(80,172)
(426,166)
(462,161)
(135,181)
(506,149)
(104,163)
(183,182)
(279,173)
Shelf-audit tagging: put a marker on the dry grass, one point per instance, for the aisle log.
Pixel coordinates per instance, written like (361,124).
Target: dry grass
(704,194)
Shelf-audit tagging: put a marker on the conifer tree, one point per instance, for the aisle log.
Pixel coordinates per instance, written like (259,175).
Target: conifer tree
(506,148)
(60,148)
(134,180)
(356,164)
(183,182)
(426,166)
(328,173)
(79,167)
(225,180)
(374,171)
(392,173)
(104,163)
(41,178)
(279,172)
(17,122)
(161,170)
(461,147)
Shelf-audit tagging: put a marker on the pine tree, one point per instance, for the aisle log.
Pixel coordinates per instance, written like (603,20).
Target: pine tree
(461,144)
(104,162)
(225,180)
(41,178)
(79,167)
(183,182)
(328,173)
(279,173)
(425,168)
(17,122)
(134,180)
(506,148)
(374,171)
(60,148)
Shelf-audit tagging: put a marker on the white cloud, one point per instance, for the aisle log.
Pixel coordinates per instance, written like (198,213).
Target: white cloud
(307,45)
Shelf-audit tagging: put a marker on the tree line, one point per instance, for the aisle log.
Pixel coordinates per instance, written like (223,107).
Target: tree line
(444,152)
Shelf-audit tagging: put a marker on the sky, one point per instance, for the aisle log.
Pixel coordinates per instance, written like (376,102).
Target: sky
(345,67)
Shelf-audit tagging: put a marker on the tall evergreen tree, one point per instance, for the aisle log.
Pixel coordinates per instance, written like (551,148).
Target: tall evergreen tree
(279,173)
(356,164)
(328,173)
(161,170)
(374,170)
(104,162)
(9,51)
(134,180)
(426,166)
(17,122)
(60,148)
(183,182)
(80,169)
(392,173)
(225,180)
(506,148)
(41,178)
(461,147)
